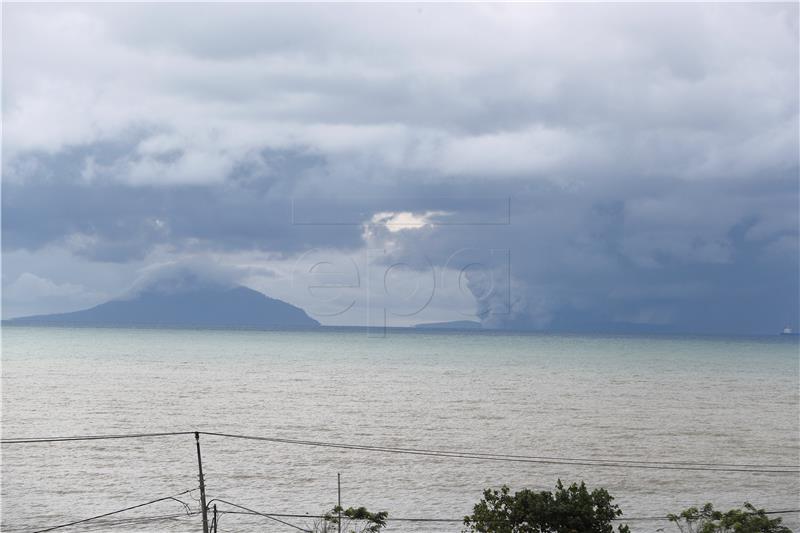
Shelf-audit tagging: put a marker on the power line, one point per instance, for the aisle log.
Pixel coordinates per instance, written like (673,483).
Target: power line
(611,463)
(459,520)
(36,440)
(265,515)
(76,522)
(621,463)
(101,523)
(608,463)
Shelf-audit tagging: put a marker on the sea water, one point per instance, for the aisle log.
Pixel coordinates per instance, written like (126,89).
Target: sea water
(679,399)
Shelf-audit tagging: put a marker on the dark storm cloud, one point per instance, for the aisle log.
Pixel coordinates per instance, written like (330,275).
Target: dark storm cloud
(116,223)
(701,257)
(650,153)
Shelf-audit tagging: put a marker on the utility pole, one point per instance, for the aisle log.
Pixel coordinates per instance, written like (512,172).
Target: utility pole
(215,518)
(202,484)
(339,498)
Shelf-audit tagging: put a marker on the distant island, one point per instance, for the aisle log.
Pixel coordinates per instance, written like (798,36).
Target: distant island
(456,324)
(209,306)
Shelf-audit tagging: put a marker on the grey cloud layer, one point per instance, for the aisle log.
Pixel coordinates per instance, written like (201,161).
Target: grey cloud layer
(650,151)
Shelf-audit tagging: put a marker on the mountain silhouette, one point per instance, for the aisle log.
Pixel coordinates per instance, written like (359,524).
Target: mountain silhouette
(215,306)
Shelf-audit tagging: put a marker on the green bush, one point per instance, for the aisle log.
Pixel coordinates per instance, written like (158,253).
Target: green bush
(354,520)
(747,520)
(567,510)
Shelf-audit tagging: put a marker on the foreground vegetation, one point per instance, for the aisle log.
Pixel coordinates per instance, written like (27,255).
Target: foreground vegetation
(354,520)
(572,509)
(747,520)
(568,509)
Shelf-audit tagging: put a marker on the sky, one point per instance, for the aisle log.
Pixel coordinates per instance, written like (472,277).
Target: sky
(567,167)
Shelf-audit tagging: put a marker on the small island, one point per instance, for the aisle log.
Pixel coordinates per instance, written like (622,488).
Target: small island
(456,324)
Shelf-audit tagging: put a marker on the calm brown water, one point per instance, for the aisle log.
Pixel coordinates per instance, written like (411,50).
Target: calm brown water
(713,400)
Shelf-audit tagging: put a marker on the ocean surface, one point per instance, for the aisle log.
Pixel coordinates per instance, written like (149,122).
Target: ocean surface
(693,399)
